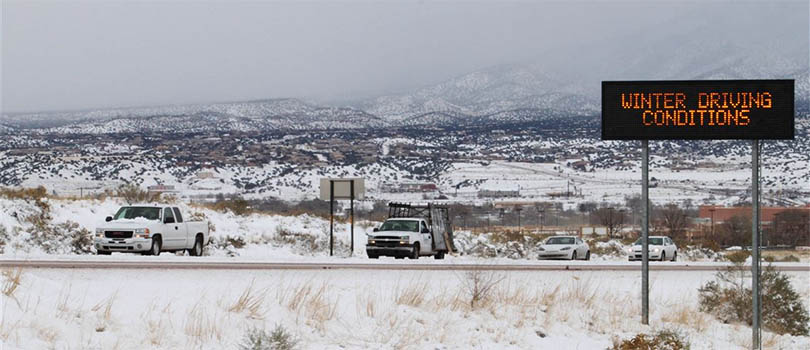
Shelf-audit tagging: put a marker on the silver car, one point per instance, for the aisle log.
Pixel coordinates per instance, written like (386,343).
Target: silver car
(564,247)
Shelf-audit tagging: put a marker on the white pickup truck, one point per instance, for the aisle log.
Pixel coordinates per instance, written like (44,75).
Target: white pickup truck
(150,229)
(412,231)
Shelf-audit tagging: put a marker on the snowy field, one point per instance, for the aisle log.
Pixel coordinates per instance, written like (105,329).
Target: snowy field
(359,309)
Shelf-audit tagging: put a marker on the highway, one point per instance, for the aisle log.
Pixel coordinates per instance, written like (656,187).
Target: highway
(198,264)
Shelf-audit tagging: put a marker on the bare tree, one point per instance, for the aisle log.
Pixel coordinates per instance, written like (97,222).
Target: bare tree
(614,220)
(674,219)
(789,227)
(479,285)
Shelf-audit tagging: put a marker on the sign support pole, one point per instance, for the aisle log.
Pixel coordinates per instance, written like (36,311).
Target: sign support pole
(645,232)
(755,243)
(351,213)
(331,216)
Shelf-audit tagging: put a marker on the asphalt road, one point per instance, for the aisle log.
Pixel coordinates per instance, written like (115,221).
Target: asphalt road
(397,265)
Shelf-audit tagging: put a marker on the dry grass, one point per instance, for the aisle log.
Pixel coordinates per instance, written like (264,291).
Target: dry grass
(48,335)
(250,301)
(103,310)
(782,255)
(413,295)
(688,316)
(319,308)
(201,326)
(308,301)
(519,295)
(366,304)
(7,328)
(11,281)
(158,323)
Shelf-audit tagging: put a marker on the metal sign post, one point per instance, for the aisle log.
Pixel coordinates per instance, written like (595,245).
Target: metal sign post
(331,217)
(755,243)
(645,232)
(351,214)
(332,189)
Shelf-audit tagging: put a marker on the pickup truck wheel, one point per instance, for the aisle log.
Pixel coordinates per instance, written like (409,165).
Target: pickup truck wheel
(439,256)
(675,256)
(197,249)
(588,255)
(156,245)
(415,252)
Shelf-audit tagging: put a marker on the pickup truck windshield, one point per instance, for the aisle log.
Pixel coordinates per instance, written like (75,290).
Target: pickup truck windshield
(560,240)
(400,225)
(149,213)
(652,241)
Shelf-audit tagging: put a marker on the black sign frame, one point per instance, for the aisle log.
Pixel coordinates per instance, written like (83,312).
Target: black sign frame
(776,122)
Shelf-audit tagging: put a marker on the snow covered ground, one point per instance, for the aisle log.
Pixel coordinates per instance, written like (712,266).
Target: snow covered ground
(333,309)
(359,309)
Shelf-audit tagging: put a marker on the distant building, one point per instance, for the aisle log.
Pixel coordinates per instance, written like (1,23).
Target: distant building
(708,213)
(498,193)
(205,175)
(161,189)
(412,187)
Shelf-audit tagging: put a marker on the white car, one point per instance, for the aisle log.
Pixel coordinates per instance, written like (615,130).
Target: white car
(150,229)
(564,247)
(660,248)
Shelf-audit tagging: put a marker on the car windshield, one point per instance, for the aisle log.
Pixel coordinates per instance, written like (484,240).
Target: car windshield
(149,213)
(400,225)
(653,241)
(560,240)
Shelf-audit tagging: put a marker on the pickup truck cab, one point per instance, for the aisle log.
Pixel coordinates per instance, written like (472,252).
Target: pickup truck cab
(150,229)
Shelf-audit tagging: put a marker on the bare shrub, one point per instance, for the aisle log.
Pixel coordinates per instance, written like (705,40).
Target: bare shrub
(133,194)
(63,238)
(200,216)
(35,194)
(236,205)
(4,239)
(479,284)
(728,298)
(228,243)
(277,339)
(662,340)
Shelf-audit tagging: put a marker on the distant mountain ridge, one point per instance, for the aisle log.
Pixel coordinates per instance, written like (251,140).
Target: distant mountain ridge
(501,94)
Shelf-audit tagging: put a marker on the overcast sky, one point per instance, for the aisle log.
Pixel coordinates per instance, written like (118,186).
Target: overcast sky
(62,55)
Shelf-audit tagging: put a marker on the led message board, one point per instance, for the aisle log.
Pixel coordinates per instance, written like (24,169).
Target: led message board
(697,110)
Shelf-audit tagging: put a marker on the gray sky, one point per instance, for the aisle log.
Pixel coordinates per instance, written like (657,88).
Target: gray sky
(60,55)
